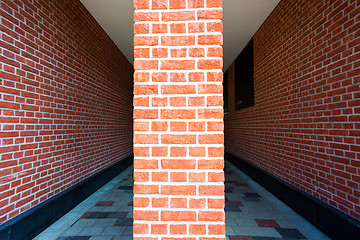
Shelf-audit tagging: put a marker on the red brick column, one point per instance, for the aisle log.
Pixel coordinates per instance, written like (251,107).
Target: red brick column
(178,120)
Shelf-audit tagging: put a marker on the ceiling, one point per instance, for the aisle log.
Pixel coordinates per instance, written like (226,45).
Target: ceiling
(242,18)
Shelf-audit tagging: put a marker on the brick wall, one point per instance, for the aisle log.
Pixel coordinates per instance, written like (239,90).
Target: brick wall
(65,97)
(178,120)
(305,125)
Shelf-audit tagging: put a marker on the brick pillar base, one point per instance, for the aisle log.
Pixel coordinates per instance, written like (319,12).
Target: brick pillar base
(178,120)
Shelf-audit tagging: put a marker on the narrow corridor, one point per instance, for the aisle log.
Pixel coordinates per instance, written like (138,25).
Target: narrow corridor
(252,213)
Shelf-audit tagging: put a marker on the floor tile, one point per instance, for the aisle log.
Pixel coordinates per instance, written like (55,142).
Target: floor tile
(122,238)
(85,223)
(113,231)
(251,195)
(72,231)
(251,213)
(124,222)
(101,238)
(128,231)
(75,238)
(105,222)
(267,223)
(290,233)
(90,231)
(105,203)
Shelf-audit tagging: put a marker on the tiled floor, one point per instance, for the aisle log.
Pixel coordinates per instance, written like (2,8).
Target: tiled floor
(251,212)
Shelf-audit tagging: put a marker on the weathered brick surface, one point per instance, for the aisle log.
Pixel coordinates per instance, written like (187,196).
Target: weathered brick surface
(178,120)
(65,98)
(304,127)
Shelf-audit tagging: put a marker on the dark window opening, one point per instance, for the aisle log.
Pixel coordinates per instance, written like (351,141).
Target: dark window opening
(244,78)
(225,91)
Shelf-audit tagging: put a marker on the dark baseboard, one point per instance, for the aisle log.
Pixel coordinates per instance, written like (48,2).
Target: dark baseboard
(32,222)
(331,221)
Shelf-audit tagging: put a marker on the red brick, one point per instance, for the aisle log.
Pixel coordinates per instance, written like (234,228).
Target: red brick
(141,101)
(196,101)
(215,52)
(197,177)
(159,77)
(197,203)
(178,126)
(216,203)
(178,203)
(159,4)
(159,126)
(177,4)
(178,152)
(218,229)
(177,114)
(177,77)
(214,27)
(211,139)
(160,202)
(196,27)
(178,139)
(177,102)
(146,189)
(197,52)
(210,113)
(178,164)
(197,229)
(209,40)
(141,4)
(141,28)
(197,126)
(215,126)
(178,16)
(141,176)
(196,3)
(141,77)
(139,228)
(210,64)
(196,77)
(197,151)
(160,176)
(145,215)
(178,53)
(159,101)
(210,14)
(214,3)
(145,114)
(211,164)
(178,89)
(145,164)
(141,201)
(146,16)
(178,229)
(181,64)
(178,177)
(159,28)
(159,151)
(159,52)
(211,216)
(178,190)
(178,28)
(212,190)
(141,126)
(145,64)
(215,101)
(141,151)
(158,229)
(178,216)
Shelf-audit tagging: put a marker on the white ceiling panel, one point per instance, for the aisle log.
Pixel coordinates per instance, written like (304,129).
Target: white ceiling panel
(242,18)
